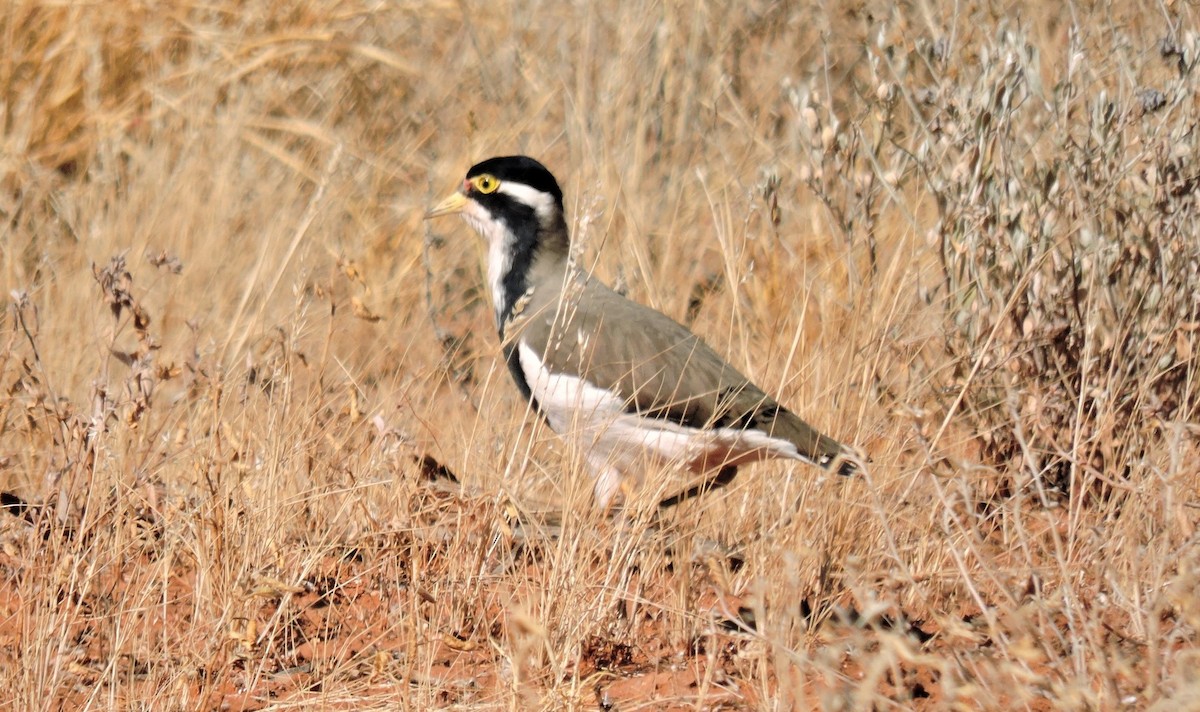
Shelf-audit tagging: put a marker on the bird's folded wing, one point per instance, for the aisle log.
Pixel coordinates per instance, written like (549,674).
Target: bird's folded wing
(663,371)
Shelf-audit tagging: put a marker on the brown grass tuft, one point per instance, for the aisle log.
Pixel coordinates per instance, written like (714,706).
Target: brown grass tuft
(257,452)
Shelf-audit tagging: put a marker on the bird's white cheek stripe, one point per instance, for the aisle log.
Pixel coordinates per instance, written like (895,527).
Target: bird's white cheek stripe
(541,202)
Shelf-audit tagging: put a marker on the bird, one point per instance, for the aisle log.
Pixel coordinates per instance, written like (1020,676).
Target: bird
(630,386)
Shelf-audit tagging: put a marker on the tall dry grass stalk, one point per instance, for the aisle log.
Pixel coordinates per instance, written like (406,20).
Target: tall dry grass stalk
(239,375)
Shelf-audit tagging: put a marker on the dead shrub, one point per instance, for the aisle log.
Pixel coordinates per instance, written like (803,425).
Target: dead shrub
(1068,251)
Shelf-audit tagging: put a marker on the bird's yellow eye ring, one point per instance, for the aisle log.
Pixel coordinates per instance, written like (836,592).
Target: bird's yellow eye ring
(486,183)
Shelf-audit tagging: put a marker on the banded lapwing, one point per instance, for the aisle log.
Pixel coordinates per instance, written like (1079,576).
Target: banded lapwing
(628,384)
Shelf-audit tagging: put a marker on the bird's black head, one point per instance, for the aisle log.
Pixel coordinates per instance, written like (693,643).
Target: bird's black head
(515,204)
(511,170)
(513,194)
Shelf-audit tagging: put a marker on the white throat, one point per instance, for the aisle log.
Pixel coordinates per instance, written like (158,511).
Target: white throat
(500,251)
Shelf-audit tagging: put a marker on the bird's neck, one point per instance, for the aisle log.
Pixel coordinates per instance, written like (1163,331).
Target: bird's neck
(523,258)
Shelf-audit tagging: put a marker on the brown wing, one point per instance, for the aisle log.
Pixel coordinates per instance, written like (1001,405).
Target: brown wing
(662,369)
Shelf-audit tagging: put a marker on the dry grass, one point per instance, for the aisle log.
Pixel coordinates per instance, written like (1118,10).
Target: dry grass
(962,237)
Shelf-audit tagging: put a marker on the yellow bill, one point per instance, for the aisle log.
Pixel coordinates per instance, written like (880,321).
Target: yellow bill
(451,205)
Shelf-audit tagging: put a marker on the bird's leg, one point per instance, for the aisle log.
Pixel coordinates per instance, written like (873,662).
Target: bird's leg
(609,483)
(723,477)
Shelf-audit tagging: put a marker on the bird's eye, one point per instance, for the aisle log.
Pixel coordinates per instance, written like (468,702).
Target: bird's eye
(486,183)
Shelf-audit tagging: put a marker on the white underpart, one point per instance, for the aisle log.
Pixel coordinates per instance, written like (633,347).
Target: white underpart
(500,249)
(619,445)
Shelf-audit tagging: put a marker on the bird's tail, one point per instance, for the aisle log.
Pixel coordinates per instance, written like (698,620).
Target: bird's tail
(814,446)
